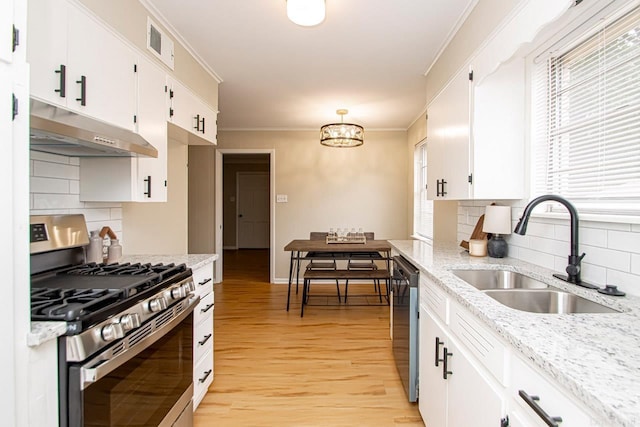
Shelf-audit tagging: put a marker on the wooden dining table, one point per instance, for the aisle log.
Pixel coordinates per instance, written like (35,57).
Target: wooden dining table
(322,250)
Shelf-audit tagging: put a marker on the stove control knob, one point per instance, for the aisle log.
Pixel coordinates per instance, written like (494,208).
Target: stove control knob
(188,287)
(157,304)
(112,331)
(130,321)
(178,293)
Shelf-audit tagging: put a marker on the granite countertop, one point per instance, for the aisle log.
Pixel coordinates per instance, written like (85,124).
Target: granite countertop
(42,332)
(594,356)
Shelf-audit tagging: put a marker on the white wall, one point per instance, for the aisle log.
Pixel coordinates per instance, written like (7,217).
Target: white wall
(612,249)
(55,189)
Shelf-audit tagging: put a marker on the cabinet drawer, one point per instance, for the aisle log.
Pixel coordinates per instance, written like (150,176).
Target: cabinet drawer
(553,401)
(204,309)
(202,378)
(203,280)
(480,342)
(202,337)
(434,299)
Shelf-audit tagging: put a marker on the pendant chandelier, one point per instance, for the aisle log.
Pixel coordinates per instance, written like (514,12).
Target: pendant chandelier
(306,13)
(342,135)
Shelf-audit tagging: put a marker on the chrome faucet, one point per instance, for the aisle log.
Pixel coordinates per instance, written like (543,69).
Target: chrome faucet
(573,269)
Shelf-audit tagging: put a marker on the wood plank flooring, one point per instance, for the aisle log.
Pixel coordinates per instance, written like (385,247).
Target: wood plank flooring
(334,367)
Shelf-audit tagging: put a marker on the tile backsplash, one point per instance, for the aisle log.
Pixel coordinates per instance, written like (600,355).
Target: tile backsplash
(612,249)
(55,189)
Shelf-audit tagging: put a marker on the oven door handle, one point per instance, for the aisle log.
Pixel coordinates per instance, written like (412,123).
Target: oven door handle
(103,364)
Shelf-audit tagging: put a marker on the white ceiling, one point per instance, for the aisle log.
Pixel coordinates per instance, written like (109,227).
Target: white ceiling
(368,56)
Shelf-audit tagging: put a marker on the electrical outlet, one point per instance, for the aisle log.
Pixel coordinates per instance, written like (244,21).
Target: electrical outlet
(281,198)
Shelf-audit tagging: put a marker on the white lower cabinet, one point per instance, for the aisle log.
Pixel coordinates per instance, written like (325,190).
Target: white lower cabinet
(487,383)
(203,333)
(454,391)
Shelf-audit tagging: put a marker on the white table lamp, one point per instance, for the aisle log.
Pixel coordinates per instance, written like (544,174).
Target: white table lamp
(497,221)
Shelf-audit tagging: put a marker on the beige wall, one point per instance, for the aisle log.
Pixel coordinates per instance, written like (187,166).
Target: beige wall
(160,228)
(201,199)
(481,22)
(329,187)
(129,18)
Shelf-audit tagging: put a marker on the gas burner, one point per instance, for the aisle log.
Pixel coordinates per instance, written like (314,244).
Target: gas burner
(69,304)
(126,269)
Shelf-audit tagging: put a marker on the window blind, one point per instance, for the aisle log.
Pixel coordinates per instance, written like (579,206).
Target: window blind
(587,120)
(423,208)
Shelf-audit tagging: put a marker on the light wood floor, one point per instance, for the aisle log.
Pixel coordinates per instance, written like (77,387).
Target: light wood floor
(334,367)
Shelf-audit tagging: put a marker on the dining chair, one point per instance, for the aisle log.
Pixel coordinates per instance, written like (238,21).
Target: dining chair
(364,261)
(321,263)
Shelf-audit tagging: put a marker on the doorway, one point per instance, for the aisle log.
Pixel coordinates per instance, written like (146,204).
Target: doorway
(245,207)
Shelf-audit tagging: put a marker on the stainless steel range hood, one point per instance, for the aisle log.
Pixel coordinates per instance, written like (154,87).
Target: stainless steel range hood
(59,131)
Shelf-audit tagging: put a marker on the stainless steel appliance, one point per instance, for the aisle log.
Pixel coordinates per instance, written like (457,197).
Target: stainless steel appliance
(406,279)
(127,356)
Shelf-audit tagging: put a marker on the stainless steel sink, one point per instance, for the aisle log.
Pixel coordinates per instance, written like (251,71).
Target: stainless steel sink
(546,301)
(498,279)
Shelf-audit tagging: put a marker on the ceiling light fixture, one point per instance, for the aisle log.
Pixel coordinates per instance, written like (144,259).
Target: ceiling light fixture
(342,135)
(306,13)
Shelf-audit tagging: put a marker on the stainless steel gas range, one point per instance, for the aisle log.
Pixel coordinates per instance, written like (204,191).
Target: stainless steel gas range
(127,356)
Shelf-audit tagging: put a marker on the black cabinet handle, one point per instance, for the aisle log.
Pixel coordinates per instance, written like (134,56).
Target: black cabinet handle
(170,112)
(532,401)
(14,106)
(83,90)
(438,188)
(147,180)
(445,370)
(197,119)
(438,344)
(442,192)
(62,87)
(207,308)
(204,282)
(206,338)
(504,422)
(206,375)
(202,123)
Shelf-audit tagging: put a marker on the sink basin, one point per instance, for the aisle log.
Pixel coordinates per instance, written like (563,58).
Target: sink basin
(546,301)
(498,279)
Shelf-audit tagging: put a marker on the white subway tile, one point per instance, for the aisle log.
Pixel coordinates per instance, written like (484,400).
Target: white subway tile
(562,232)
(56,201)
(635,228)
(48,185)
(593,237)
(607,257)
(606,225)
(49,211)
(535,257)
(116,213)
(548,246)
(594,274)
(48,157)
(55,170)
(74,161)
(74,186)
(102,205)
(635,264)
(93,214)
(624,241)
(540,230)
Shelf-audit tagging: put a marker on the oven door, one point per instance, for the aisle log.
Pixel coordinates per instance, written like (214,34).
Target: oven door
(149,383)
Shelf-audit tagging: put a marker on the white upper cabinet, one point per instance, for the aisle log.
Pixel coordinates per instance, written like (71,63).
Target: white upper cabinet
(448,141)
(190,113)
(134,179)
(79,64)
(475,136)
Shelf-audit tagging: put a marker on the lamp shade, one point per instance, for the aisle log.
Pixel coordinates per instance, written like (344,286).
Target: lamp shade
(306,13)
(497,220)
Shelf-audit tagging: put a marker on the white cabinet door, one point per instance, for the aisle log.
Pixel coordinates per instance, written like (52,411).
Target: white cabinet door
(100,71)
(432,401)
(78,64)
(6,32)
(152,126)
(448,157)
(190,113)
(47,50)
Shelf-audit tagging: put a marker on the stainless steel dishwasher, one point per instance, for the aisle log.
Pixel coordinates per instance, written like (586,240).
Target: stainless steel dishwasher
(406,278)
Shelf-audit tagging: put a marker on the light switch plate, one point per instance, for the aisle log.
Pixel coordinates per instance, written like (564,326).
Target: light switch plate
(281,198)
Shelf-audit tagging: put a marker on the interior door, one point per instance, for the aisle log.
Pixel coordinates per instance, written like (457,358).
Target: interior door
(253,210)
